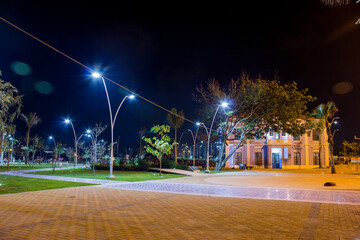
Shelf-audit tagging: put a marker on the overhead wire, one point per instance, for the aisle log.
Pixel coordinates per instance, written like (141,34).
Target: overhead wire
(92,70)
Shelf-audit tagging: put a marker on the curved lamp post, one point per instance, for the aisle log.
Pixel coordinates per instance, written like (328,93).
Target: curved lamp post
(224,105)
(112,121)
(52,138)
(194,139)
(67,121)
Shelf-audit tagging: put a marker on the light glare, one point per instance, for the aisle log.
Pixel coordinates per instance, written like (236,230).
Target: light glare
(95,75)
(131,96)
(224,104)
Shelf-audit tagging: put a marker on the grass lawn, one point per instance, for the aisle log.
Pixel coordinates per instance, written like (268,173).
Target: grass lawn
(128,176)
(18,167)
(14,184)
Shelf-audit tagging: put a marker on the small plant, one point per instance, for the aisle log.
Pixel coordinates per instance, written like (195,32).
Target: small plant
(160,144)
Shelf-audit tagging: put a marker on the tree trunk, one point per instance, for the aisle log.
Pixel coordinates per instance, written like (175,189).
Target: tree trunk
(332,159)
(320,148)
(27,146)
(160,164)
(176,147)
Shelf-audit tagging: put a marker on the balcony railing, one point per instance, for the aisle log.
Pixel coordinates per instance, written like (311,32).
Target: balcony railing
(279,141)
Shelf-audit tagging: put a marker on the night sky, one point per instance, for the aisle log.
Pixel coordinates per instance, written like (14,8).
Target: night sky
(163,51)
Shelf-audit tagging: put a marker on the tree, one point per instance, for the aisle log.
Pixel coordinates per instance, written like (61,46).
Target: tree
(10,108)
(141,133)
(256,106)
(319,126)
(160,144)
(37,144)
(58,150)
(176,120)
(31,121)
(352,149)
(96,131)
(326,112)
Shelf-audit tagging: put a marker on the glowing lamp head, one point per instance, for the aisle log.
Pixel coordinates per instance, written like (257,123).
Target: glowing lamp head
(67,121)
(96,75)
(198,124)
(88,131)
(50,137)
(224,104)
(132,96)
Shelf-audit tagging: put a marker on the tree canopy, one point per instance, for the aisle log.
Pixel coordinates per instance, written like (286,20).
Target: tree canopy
(255,107)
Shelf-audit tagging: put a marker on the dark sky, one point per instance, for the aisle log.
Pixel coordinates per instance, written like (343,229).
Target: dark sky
(163,51)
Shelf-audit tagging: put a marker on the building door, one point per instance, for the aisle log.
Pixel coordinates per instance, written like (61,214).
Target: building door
(275,159)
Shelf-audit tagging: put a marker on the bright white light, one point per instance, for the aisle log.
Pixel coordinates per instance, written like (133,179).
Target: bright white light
(198,123)
(335,122)
(88,131)
(224,104)
(131,96)
(96,75)
(50,137)
(67,121)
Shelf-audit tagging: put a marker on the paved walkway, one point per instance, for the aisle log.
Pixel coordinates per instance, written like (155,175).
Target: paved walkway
(244,184)
(203,209)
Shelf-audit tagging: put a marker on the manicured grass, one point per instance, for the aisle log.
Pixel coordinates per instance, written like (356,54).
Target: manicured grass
(14,184)
(102,174)
(18,167)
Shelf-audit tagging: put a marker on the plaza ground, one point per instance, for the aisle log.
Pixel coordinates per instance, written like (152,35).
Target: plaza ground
(191,208)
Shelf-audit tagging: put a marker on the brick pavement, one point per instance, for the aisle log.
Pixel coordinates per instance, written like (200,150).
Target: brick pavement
(106,213)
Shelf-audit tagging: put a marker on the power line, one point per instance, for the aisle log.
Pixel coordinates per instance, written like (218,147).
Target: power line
(92,70)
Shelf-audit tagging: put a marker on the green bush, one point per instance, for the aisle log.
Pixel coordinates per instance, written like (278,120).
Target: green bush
(141,166)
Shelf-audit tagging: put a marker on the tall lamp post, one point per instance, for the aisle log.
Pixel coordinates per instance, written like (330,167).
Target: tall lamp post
(194,139)
(67,121)
(224,105)
(112,121)
(12,147)
(52,138)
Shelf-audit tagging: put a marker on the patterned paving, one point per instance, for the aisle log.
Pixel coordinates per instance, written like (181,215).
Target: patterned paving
(106,213)
(305,195)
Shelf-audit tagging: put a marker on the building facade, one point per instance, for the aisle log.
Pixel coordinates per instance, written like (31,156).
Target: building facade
(282,151)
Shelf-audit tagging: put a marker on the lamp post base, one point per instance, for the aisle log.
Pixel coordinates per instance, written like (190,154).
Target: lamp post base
(110,177)
(207,171)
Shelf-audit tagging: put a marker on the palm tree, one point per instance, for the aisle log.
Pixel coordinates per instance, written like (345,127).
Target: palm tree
(175,119)
(31,121)
(320,127)
(326,113)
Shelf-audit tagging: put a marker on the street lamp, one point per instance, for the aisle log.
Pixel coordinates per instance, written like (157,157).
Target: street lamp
(52,138)
(194,138)
(223,105)
(12,147)
(112,120)
(67,121)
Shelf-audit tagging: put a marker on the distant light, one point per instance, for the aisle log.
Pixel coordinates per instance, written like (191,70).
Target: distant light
(51,137)
(335,122)
(88,131)
(224,104)
(10,138)
(67,121)
(198,123)
(88,135)
(96,75)
(131,96)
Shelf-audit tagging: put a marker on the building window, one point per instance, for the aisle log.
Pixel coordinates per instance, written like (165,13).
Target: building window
(286,153)
(297,138)
(316,158)
(283,133)
(271,133)
(297,158)
(237,158)
(316,135)
(258,158)
(277,135)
